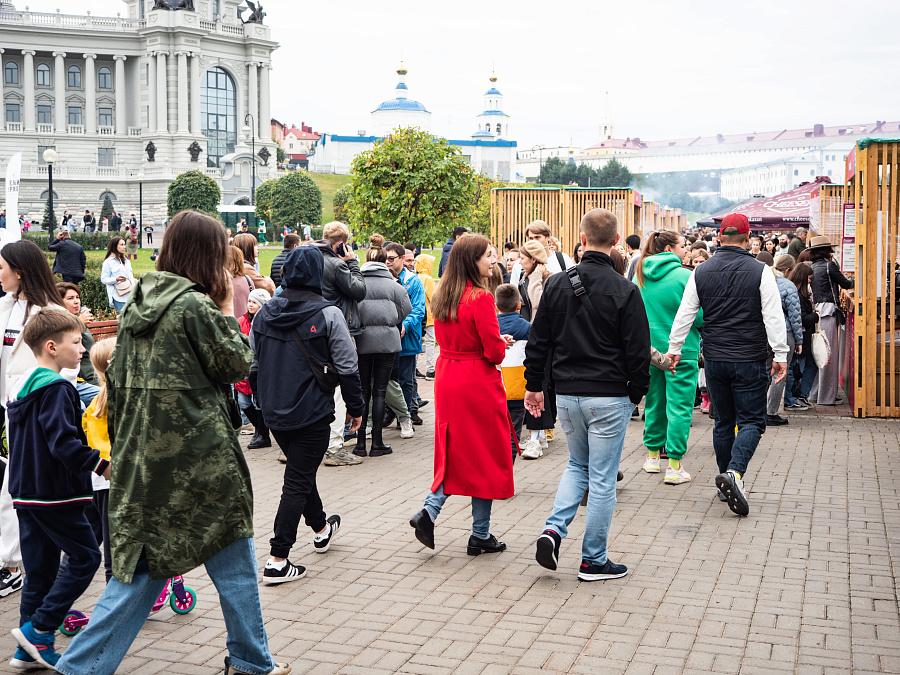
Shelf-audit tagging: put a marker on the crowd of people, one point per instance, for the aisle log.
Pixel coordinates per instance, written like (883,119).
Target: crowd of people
(321,355)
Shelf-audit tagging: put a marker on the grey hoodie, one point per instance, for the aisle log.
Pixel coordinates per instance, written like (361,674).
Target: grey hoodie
(382,311)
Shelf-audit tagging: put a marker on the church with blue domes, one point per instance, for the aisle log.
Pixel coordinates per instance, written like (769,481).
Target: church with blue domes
(488,150)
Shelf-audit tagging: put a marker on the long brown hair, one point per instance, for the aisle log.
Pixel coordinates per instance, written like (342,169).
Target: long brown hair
(36,285)
(235,261)
(247,243)
(195,247)
(112,248)
(462,269)
(656,243)
(800,277)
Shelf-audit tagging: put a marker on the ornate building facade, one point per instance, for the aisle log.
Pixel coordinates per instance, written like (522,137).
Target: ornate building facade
(135,100)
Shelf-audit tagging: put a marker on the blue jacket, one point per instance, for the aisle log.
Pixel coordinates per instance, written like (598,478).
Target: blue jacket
(512,323)
(49,458)
(445,254)
(289,394)
(790,305)
(411,344)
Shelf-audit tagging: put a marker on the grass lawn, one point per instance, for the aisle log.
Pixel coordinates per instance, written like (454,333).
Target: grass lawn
(329,184)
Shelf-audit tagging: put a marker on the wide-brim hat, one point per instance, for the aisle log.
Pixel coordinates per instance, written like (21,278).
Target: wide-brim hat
(819,241)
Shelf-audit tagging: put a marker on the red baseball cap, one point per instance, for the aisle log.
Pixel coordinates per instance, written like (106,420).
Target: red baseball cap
(737,223)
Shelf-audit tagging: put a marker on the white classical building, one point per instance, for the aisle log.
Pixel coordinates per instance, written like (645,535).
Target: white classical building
(488,150)
(135,100)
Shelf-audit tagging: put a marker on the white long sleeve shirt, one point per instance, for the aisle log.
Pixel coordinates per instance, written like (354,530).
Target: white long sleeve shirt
(515,276)
(773,316)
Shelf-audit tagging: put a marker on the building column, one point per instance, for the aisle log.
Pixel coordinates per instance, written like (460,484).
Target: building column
(265,117)
(183,123)
(30,105)
(90,94)
(59,88)
(162,99)
(151,87)
(253,97)
(119,84)
(196,84)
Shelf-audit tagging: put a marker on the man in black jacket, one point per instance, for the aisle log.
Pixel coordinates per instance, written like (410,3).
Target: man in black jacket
(70,259)
(597,340)
(291,241)
(445,252)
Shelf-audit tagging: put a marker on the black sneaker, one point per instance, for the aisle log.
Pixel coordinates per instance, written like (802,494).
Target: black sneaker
(10,582)
(323,541)
(389,417)
(721,496)
(290,572)
(547,553)
(260,442)
(419,374)
(350,439)
(733,488)
(608,570)
(429,375)
(775,421)
(635,413)
(422,402)
(416,420)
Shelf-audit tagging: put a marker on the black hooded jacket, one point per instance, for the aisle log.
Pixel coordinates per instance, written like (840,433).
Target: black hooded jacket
(288,392)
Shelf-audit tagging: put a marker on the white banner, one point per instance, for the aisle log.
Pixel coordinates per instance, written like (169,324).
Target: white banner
(13,174)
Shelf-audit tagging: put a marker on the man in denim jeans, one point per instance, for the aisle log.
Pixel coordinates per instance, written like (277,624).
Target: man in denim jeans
(591,335)
(742,320)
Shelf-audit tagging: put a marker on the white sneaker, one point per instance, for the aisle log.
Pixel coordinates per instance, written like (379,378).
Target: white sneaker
(543,441)
(368,431)
(652,464)
(676,476)
(531,449)
(406,428)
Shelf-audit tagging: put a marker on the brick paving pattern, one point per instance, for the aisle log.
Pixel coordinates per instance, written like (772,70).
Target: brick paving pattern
(805,584)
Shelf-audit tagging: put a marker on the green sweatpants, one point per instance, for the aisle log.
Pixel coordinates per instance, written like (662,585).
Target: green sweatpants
(668,407)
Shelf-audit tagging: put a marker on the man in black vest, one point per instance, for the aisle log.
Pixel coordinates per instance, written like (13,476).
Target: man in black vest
(742,320)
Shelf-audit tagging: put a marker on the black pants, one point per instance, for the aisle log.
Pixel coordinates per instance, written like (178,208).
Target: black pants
(304,449)
(374,373)
(44,534)
(256,419)
(101,506)
(68,278)
(517,415)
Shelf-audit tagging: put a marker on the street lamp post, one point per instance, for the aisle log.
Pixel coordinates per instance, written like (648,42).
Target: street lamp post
(50,157)
(540,150)
(140,233)
(253,156)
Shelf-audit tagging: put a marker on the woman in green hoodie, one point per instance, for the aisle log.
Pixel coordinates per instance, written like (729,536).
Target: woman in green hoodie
(670,400)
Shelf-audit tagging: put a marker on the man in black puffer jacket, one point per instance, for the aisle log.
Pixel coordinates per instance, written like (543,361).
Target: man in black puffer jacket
(291,241)
(294,406)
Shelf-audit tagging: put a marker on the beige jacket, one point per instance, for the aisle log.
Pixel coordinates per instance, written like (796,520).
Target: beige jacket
(258,280)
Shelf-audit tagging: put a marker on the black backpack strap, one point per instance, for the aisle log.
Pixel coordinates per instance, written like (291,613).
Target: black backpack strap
(581,292)
(560,258)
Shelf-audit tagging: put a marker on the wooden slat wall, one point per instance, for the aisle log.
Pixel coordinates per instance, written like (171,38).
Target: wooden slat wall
(831,213)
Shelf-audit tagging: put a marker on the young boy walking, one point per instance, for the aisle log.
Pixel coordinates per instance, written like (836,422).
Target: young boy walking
(50,465)
(513,367)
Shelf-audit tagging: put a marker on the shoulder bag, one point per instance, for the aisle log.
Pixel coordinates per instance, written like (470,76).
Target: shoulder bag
(325,374)
(657,359)
(821,349)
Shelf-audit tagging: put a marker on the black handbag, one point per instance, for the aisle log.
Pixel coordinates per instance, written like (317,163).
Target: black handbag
(234,411)
(325,374)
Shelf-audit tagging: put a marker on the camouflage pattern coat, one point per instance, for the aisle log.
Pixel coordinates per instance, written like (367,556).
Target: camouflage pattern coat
(180,487)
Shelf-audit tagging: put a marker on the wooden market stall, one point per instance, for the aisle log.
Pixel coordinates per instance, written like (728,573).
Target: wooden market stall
(513,208)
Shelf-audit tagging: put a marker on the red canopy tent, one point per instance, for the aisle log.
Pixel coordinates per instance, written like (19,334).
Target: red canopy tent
(785,211)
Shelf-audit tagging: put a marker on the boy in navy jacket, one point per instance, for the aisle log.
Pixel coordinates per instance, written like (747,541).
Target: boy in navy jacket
(50,464)
(513,367)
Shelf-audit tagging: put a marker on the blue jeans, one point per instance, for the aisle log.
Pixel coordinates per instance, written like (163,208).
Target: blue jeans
(244,401)
(809,370)
(738,391)
(123,608)
(481,511)
(406,371)
(118,305)
(595,433)
(87,392)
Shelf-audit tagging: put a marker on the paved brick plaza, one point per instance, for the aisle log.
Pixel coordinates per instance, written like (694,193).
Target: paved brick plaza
(805,584)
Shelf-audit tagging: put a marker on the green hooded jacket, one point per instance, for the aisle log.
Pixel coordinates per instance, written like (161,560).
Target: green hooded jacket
(664,282)
(180,487)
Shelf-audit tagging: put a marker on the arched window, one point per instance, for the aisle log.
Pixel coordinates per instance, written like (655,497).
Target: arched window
(104,78)
(105,194)
(46,193)
(43,75)
(11,73)
(487,127)
(74,76)
(498,129)
(218,114)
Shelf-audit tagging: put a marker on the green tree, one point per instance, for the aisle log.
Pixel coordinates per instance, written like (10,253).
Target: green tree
(279,155)
(411,186)
(193,190)
(265,200)
(48,222)
(614,174)
(106,211)
(297,199)
(481,212)
(341,204)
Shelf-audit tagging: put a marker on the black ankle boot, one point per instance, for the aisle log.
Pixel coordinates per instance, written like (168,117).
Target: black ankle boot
(380,449)
(260,441)
(424,527)
(490,545)
(360,450)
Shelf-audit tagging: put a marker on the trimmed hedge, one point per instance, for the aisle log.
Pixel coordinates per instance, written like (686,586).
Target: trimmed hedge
(89,241)
(275,236)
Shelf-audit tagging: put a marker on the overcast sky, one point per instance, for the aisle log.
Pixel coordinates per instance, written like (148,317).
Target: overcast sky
(672,68)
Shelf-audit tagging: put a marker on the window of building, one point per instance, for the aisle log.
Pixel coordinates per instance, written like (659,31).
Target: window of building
(43,75)
(143,10)
(11,73)
(105,117)
(12,112)
(41,149)
(215,10)
(218,114)
(796,172)
(44,115)
(106,156)
(812,172)
(498,129)
(74,114)
(105,194)
(74,77)
(829,172)
(104,78)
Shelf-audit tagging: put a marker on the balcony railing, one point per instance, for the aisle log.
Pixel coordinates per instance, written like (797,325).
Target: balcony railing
(45,128)
(76,129)
(14,127)
(88,22)
(134,131)
(106,130)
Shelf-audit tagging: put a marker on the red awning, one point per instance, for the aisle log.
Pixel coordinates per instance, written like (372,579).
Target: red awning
(787,210)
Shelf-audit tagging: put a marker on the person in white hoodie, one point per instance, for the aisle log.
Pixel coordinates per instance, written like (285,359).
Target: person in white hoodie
(25,276)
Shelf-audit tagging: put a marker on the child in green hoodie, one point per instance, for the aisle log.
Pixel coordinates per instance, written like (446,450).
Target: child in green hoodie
(670,400)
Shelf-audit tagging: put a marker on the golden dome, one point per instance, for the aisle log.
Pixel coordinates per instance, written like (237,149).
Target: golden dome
(493,76)
(402,69)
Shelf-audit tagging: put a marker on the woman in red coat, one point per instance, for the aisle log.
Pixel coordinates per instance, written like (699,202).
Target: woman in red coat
(472,425)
